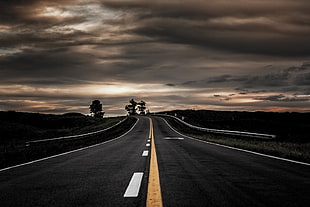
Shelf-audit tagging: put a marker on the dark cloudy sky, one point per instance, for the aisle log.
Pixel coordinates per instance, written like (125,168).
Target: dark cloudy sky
(57,56)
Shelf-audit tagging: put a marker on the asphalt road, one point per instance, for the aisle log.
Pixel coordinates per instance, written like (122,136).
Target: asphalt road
(192,173)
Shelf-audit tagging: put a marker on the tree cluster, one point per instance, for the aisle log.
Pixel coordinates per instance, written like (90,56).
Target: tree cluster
(136,107)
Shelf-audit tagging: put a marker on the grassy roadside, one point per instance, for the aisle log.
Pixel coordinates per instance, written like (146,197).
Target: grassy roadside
(289,126)
(16,127)
(13,149)
(290,150)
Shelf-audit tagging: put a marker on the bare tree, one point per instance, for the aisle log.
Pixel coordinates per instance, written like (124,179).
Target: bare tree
(96,109)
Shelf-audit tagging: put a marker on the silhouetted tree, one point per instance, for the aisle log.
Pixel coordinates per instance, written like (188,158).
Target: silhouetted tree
(96,109)
(131,108)
(134,106)
(141,107)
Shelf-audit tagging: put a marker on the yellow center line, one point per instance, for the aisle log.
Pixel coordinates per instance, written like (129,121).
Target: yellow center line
(153,191)
(151,129)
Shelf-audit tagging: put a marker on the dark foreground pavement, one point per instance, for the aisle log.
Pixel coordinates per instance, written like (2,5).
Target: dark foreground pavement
(192,173)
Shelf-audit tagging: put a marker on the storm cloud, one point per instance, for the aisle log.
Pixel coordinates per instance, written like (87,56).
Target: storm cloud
(56,56)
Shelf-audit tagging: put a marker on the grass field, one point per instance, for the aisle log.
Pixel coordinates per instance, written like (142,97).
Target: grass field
(17,128)
(282,146)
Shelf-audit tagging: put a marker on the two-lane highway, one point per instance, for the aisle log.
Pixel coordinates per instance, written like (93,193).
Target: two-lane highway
(190,173)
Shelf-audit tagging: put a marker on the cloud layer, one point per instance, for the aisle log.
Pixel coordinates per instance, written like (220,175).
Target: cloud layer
(56,56)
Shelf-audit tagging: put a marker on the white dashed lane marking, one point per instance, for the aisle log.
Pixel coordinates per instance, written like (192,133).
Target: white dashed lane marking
(145,153)
(176,138)
(134,185)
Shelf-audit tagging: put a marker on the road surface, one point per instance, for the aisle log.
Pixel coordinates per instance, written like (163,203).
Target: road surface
(191,173)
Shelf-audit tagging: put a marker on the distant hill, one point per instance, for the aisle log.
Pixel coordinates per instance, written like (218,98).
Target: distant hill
(73,114)
(287,126)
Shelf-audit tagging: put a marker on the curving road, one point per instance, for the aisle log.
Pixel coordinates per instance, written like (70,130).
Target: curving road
(191,173)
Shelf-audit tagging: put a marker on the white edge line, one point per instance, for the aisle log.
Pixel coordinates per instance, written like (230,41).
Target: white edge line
(238,149)
(69,152)
(134,185)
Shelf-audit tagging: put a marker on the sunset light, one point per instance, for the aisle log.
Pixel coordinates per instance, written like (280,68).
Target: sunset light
(251,55)
(55,12)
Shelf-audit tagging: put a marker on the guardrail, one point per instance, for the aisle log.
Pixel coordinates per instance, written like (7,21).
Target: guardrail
(74,136)
(219,131)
